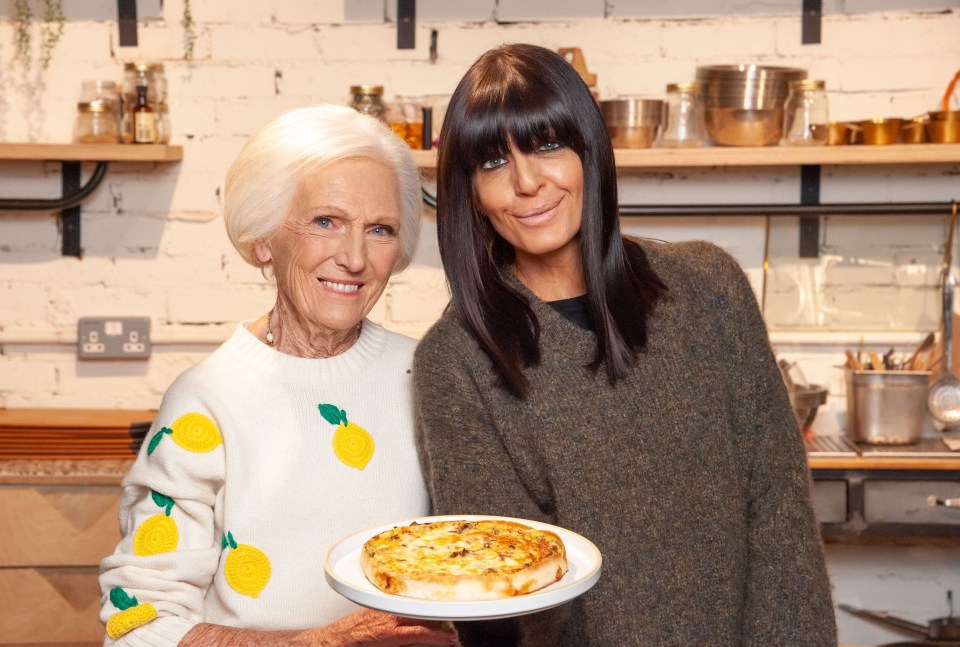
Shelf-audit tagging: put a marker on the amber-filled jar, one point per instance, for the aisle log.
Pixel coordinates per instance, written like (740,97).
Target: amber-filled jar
(96,123)
(368,99)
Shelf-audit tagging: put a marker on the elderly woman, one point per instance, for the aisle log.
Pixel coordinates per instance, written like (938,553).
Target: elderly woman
(295,432)
(624,389)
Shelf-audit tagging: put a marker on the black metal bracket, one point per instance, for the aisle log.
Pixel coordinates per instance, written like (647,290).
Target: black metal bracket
(811,21)
(406,24)
(809,225)
(69,205)
(127,22)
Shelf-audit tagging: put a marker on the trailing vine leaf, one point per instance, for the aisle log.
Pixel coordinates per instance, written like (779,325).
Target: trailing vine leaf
(23,15)
(189,31)
(53,22)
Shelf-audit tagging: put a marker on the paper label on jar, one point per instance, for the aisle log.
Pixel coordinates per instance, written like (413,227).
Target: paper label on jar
(144,128)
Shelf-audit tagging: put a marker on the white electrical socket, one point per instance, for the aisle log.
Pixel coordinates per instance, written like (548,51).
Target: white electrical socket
(113,338)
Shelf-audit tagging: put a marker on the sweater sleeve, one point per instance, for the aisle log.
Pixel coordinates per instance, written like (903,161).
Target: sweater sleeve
(788,600)
(469,470)
(153,585)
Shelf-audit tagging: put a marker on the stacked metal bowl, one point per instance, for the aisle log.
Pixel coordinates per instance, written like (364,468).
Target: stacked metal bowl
(743,104)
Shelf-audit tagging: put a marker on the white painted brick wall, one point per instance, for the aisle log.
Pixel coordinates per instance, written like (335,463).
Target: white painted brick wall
(152,237)
(153,242)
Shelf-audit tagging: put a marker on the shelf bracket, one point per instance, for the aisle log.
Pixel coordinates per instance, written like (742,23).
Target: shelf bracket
(809,225)
(127,22)
(811,22)
(406,24)
(69,205)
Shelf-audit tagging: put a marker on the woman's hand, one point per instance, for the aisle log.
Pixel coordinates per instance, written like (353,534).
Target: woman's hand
(375,629)
(364,628)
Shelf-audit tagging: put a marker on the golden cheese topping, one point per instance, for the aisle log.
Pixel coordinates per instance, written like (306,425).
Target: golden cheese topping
(464,559)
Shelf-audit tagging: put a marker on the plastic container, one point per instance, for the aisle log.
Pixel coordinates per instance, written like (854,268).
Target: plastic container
(886,407)
(684,125)
(806,114)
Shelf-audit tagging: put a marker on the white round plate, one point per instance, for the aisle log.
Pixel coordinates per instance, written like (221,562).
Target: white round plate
(343,573)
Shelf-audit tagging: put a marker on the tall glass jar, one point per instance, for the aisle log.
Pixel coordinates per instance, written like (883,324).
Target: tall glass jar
(368,99)
(806,114)
(684,125)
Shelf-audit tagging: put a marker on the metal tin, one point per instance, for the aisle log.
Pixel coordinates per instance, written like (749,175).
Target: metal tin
(886,407)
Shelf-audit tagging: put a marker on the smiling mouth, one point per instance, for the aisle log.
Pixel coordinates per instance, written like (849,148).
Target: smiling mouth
(539,213)
(345,288)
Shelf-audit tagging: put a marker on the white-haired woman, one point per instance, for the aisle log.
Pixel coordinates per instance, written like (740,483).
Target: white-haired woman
(298,429)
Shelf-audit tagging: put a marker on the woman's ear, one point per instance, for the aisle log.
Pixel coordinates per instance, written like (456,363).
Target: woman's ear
(262,252)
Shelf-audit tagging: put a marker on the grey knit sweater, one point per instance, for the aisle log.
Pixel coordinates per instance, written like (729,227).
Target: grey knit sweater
(689,475)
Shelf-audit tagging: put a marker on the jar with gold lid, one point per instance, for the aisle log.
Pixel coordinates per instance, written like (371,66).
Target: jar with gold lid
(806,113)
(368,99)
(96,123)
(684,126)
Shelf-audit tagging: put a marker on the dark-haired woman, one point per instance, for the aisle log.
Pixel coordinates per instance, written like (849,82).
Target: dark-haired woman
(621,388)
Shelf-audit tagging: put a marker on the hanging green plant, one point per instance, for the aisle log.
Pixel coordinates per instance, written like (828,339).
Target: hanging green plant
(189,31)
(53,22)
(52,29)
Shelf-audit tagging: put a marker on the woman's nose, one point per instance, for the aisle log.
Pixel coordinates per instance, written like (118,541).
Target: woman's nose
(352,251)
(527,176)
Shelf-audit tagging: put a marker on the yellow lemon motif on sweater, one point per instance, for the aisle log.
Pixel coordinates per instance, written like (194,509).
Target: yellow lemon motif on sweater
(131,615)
(159,533)
(194,432)
(352,444)
(247,568)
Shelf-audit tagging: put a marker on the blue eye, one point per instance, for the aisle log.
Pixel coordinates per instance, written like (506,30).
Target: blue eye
(550,146)
(323,222)
(494,163)
(382,230)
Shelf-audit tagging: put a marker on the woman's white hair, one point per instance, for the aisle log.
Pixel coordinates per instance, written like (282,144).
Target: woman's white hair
(263,181)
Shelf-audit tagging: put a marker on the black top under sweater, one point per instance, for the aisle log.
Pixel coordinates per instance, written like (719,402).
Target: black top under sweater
(689,475)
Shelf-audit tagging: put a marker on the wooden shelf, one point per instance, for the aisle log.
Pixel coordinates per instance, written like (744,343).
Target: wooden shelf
(92,152)
(713,156)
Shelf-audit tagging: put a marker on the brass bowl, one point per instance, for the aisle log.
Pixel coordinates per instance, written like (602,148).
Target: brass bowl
(944,115)
(914,131)
(743,127)
(841,133)
(881,130)
(946,131)
(632,123)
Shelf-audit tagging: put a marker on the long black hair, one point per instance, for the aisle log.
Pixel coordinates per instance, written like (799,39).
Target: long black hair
(528,96)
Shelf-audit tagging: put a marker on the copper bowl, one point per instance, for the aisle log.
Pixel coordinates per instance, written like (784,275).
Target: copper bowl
(881,130)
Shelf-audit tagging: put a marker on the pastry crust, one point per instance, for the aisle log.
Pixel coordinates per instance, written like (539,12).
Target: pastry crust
(463,560)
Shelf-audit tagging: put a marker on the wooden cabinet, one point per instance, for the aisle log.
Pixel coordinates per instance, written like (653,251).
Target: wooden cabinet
(52,538)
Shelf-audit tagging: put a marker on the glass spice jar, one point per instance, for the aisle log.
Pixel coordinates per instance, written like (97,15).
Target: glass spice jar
(806,114)
(684,125)
(96,123)
(368,99)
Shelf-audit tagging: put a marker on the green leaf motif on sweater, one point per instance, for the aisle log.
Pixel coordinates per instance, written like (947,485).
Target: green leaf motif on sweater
(162,501)
(120,599)
(333,414)
(156,439)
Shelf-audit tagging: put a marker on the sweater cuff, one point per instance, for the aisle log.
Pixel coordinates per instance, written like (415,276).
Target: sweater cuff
(165,631)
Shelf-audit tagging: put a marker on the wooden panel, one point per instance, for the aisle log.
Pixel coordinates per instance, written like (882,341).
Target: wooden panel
(58,526)
(74,418)
(50,606)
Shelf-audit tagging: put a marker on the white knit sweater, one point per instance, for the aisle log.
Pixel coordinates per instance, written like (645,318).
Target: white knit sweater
(275,483)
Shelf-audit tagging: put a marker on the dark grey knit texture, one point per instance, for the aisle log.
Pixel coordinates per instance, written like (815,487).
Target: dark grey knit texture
(689,475)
